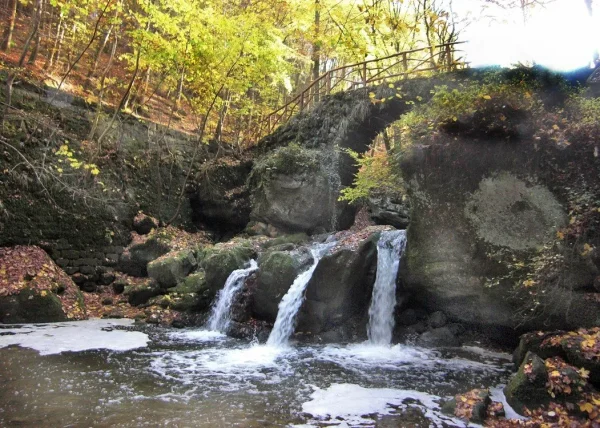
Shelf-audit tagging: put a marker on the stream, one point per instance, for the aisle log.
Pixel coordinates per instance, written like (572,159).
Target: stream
(112,373)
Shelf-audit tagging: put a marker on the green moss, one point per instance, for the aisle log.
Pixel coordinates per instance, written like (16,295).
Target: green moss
(218,264)
(30,306)
(294,239)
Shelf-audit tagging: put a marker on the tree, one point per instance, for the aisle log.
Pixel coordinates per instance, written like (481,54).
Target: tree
(10,26)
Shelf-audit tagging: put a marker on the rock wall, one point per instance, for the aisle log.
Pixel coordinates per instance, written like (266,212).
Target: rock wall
(494,239)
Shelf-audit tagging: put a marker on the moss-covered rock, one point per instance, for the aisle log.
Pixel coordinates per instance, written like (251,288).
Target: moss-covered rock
(288,240)
(141,251)
(190,295)
(219,261)
(171,268)
(277,271)
(34,289)
(296,189)
(140,292)
(527,388)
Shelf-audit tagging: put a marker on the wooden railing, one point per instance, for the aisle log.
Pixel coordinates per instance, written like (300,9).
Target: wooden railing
(444,57)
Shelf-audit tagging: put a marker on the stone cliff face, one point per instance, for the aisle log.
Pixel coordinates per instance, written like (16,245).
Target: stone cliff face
(488,238)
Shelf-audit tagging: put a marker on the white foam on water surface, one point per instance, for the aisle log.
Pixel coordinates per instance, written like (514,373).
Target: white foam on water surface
(74,336)
(229,367)
(346,404)
(198,336)
(367,354)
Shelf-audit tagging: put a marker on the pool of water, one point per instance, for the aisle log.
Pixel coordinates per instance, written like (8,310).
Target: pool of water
(186,378)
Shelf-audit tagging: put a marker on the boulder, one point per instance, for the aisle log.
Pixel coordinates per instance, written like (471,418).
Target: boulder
(342,283)
(437,319)
(485,223)
(141,251)
(140,291)
(221,199)
(473,406)
(389,210)
(34,289)
(219,261)
(143,224)
(171,268)
(527,388)
(190,295)
(438,337)
(296,189)
(277,271)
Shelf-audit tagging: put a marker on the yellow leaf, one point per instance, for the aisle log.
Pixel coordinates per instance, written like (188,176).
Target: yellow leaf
(391,86)
(587,248)
(43,293)
(560,235)
(555,373)
(585,374)
(528,283)
(371,94)
(486,97)
(555,127)
(60,170)
(586,407)
(454,118)
(95,171)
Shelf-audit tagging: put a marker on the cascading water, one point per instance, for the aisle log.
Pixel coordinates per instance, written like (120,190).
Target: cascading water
(291,302)
(381,312)
(220,316)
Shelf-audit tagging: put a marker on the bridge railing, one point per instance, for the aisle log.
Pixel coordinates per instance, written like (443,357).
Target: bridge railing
(444,57)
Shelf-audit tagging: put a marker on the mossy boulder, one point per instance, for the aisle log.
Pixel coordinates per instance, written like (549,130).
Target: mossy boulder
(34,289)
(141,251)
(286,240)
(140,292)
(277,271)
(527,388)
(190,295)
(296,189)
(219,261)
(30,306)
(171,268)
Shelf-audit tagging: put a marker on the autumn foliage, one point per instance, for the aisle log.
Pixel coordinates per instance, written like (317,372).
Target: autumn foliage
(29,268)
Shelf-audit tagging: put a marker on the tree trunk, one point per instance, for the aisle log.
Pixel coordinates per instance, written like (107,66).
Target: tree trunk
(222,114)
(38,37)
(57,43)
(10,27)
(316,49)
(97,54)
(113,51)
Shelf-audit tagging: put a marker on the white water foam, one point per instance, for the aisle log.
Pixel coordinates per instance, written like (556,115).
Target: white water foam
(74,336)
(198,336)
(291,302)
(381,311)
(346,404)
(220,316)
(227,369)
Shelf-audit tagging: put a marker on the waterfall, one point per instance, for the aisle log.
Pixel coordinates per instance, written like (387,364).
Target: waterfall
(291,302)
(381,312)
(220,316)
